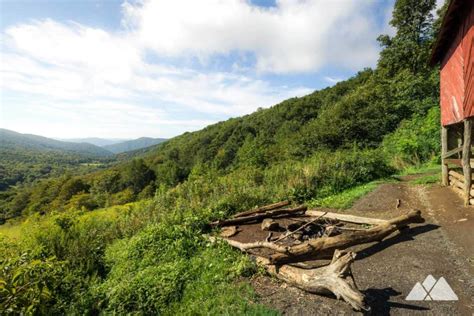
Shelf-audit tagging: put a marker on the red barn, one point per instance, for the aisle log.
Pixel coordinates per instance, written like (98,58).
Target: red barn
(454,51)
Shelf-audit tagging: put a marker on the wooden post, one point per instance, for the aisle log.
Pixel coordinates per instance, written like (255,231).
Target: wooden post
(444,150)
(466,159)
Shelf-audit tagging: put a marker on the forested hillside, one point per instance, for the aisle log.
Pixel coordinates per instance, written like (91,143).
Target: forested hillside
(11,139)
(26,158)
(151,256)
(352,115)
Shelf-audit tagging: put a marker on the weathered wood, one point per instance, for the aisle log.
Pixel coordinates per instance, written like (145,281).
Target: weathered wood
(321,246)
(300,228)
(269,224)
(229,231)
(444,150)
(262,209)
(455,182)
(253,245)
(471,201)
(346,217)
(458,189)
(466,158)
(329,279)
(256,217)
(457,162)
(458,175)
(451,152)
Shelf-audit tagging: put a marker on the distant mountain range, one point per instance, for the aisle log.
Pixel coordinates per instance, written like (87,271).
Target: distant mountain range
(135,144)
(91,147)
(95,140)
(10,139)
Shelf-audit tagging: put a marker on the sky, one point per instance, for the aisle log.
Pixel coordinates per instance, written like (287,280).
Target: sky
(159,68)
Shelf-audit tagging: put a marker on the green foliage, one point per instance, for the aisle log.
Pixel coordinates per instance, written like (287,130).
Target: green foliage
(344,199)
(416,140)
(25,283)
(150,257)
(409,48)
(428,179)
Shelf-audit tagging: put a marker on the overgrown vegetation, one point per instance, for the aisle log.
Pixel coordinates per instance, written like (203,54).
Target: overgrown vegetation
(151,257)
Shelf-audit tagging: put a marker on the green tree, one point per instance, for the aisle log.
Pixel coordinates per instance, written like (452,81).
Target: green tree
(137,175)
(409,48)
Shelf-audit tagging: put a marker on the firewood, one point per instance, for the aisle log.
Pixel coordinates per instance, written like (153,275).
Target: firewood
(269,214)
(300,228)
(262,209)
(346,217)
(245,247)
(320,246)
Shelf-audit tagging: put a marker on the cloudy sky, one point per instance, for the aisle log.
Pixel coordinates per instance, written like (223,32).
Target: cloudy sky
(158,68)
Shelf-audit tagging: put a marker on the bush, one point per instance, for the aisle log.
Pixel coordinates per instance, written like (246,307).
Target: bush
(416,140)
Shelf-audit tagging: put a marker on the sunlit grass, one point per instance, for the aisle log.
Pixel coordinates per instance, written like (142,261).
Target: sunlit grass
(346,198)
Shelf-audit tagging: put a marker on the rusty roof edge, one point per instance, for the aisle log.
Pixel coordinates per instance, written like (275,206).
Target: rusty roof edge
(445,28)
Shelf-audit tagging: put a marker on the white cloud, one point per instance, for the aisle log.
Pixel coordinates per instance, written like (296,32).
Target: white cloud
(332,79)
(112,81)
(294,36)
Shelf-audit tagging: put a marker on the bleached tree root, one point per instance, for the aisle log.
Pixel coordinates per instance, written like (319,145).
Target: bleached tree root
(331,279)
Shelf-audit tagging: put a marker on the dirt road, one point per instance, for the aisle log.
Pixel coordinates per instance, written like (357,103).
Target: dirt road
(387,271)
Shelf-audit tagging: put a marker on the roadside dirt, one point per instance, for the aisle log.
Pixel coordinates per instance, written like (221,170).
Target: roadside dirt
(443,246)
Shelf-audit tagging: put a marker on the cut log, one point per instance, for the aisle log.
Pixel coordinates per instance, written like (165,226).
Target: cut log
(347,218)
(456,175)
(269,224)
(256,217)
(322,246)
(228,231)
(458,184)
(253,245)
(455,182)
(262,209)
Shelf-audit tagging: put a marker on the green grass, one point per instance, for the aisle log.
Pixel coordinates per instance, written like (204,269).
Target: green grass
(346,198)
(427,179)
(424,168)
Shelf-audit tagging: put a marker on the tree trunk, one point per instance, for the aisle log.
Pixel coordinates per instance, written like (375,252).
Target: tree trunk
(466,158)
(322,246)
(262,209)
(256,217)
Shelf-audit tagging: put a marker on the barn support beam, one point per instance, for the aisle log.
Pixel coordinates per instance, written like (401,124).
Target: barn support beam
(444,151)
(466,156)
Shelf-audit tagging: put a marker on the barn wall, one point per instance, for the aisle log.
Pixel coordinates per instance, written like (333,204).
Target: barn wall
(468,50)
(452,82)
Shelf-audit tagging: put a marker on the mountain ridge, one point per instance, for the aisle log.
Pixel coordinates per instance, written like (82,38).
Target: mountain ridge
(133,144)
(9,138)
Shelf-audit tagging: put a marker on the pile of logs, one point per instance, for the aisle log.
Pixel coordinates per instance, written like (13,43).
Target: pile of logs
(456,181)
(315,235)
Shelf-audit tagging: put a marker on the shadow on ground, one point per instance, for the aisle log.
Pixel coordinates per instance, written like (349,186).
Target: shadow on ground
(379,302)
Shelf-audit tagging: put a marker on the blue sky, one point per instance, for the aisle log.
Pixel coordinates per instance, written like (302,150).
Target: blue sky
(118,69)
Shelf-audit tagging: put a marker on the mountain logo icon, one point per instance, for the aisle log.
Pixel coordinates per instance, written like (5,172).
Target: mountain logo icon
(432,290)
